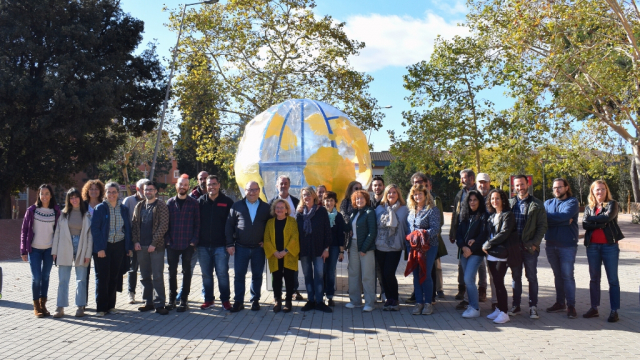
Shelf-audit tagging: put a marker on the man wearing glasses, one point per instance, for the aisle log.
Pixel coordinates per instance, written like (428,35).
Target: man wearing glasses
(244,232)
(562,245)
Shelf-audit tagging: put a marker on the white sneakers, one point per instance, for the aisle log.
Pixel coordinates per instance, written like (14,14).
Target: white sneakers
(471,313)
(367,308)
(494,314)
(351,306)
(501,318)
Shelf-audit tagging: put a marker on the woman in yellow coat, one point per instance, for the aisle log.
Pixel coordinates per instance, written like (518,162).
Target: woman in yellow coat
(281,247)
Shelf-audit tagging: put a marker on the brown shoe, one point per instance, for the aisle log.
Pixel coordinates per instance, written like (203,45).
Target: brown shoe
(287,306)
(482,294)
(278,306)
(36,309)
(43,306)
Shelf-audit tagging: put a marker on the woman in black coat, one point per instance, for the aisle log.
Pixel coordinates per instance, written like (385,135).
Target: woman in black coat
(501,248)
(601,238)
(315,238)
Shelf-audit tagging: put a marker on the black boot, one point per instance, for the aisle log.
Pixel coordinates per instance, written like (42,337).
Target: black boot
(184,304)
(171,304)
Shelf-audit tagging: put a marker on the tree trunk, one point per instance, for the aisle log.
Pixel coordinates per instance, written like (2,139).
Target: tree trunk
(635,169)
(5,204)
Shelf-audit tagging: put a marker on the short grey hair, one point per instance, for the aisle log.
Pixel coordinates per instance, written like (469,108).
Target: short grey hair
(283,177)
(141,183)
(111,184)
(249,184)
(469,172)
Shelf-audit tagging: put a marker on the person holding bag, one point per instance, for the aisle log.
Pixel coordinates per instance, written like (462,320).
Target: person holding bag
(501,248)
(72,246)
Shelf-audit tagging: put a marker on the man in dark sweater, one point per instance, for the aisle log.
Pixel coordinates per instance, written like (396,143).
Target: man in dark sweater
(181,240)
(562,245)
(212,245)
(245,232)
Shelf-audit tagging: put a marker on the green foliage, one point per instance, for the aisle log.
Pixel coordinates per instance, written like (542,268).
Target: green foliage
(457,122)
(70,88)
(239,58)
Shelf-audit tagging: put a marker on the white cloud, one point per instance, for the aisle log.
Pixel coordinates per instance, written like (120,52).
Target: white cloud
(458,7)
(393,40)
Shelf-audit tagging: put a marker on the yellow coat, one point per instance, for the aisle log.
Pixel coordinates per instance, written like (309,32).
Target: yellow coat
(291,243)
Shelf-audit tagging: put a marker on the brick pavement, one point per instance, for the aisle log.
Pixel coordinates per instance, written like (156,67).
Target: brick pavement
(345,334)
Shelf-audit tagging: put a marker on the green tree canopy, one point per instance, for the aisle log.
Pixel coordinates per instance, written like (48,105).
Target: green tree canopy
(70,87)
(247,55)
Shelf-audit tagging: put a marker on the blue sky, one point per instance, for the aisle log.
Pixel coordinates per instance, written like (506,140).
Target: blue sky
(397,34)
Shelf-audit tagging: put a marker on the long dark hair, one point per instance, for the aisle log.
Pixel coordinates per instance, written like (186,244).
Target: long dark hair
(52,202)
(67,203)
(349,192)
(503,197)
(481,206)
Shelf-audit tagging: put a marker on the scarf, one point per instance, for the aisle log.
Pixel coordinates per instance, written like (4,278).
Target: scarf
(389,224)
(332,217)
(419,241)
(307,215)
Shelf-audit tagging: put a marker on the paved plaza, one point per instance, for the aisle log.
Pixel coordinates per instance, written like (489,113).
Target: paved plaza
(344,334)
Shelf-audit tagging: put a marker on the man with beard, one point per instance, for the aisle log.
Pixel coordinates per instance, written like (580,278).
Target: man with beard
(377,185)
(562,245)
(181,240)
(149,226)
(132,274)
(201,189)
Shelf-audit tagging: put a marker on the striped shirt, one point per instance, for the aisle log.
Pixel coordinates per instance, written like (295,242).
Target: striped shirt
(116,224)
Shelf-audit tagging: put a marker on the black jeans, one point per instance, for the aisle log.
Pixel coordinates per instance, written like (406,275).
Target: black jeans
(289,281)
(107,275)
(388,262)
(173,257)
(498,270)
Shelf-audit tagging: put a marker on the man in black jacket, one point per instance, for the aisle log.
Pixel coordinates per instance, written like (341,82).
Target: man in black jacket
(212,244)
(245,232)
(283,184)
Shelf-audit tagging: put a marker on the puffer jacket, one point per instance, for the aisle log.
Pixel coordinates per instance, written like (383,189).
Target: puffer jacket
(607,220)
(366,229)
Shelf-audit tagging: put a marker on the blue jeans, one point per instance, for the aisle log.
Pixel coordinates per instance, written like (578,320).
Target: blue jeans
(424,291)
(607,254)
(40,262)
(64,275)
(330,271)
(215,258)
(241,264)
(313,270)
(470,268)
(530,263)
(562,260)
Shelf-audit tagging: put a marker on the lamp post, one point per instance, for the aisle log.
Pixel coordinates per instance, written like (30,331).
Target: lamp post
(166,96)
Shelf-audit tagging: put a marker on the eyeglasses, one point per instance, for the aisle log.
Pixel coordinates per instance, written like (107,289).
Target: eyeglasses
(558,187)
(252,190)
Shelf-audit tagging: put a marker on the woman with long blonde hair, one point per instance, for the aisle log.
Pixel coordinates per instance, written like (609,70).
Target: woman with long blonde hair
(424,215)
(601,238)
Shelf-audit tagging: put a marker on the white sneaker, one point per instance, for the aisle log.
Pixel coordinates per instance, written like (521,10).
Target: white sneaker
(533,313)
(494,314)
(132,298)
(427,310)
(471,313)
(502,318)
(367,308)
(349,306)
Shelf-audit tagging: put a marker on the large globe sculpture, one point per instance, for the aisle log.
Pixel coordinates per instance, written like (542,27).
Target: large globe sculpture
(311,142)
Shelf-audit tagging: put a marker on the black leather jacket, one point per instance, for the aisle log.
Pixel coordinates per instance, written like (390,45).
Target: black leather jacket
(607,220)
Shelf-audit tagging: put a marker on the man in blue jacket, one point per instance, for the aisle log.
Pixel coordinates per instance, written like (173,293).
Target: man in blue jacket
(562,245)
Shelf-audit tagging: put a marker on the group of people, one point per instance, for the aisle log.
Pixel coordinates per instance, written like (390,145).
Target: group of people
(508,233)
(375,229)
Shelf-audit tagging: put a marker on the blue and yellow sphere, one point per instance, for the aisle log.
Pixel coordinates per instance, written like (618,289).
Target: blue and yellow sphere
(311,142)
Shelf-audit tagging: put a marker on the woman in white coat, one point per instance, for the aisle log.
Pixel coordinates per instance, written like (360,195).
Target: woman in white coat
(72,246)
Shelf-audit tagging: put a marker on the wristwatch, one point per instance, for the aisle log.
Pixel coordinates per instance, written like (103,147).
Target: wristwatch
(286,250)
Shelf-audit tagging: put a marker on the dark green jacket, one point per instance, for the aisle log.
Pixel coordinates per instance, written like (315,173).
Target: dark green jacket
(536,225)
(366,229)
